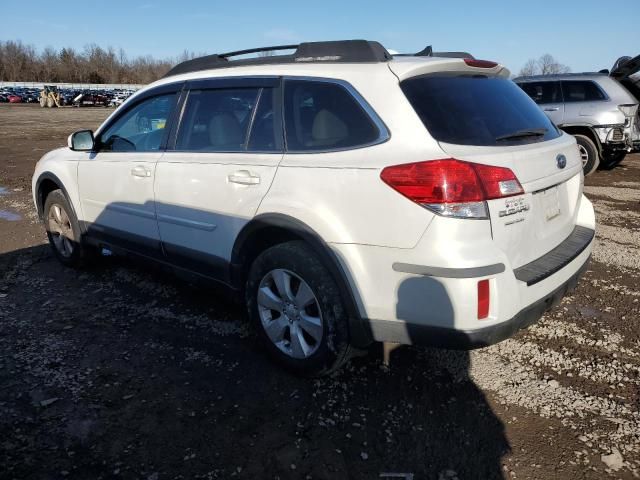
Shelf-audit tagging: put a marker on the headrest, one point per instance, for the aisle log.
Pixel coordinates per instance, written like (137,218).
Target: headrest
(225,131)
(328,129)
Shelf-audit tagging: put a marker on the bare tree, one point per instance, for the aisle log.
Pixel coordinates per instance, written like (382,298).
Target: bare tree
(549,65)
(530,68)
(22,63)
(545,65)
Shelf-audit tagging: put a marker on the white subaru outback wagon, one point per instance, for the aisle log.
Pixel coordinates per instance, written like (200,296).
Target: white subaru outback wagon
(347,195)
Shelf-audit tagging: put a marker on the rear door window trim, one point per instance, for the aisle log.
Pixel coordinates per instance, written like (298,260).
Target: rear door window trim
(261,83)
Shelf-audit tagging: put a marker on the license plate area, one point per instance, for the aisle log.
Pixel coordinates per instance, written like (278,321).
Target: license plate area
(550,203)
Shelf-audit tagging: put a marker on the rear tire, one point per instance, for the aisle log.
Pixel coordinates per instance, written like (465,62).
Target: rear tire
(63,231)
(588,153)
(611,160)
(297,311)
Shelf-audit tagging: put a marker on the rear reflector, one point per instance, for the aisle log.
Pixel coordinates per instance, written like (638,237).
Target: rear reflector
(472,62)
(452,187)
(483,299)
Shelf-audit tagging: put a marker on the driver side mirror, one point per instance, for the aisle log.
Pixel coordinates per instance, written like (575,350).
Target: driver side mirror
(81,141)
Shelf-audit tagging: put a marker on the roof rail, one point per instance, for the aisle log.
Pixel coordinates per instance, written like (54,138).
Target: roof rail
(343,51)
(556,76)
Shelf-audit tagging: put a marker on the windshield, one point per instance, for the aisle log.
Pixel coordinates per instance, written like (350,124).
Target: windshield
(477,110)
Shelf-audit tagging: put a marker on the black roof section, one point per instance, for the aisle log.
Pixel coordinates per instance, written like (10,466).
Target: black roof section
(343,51)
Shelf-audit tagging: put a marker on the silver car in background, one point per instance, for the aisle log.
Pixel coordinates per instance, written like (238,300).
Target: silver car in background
(599,109)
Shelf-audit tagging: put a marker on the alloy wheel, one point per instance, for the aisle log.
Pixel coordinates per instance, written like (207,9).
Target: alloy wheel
(59,226)
(290,313)
(584,155)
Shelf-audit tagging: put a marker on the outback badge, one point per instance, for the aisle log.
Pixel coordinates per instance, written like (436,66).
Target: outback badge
(512,206)
(561,161)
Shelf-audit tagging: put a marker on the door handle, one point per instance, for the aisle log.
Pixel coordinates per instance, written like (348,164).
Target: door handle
(551,109)
(244,177)
(140,171)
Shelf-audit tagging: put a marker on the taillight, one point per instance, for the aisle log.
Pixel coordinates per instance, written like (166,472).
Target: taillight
(629,110)
(472,62)
(452,187)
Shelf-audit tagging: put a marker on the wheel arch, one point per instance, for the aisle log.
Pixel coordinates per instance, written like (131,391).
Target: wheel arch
(586,130)
(267,230)
(47,183)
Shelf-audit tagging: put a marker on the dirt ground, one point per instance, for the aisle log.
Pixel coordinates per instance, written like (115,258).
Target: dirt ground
(124,372)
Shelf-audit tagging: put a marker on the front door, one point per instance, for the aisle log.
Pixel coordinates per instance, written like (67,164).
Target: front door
(116,181)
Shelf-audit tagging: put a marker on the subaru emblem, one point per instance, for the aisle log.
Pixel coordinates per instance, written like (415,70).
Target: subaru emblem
(561,161)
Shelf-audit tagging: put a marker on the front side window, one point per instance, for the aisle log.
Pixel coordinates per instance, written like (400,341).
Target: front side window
(140,129)
(228,120)
(543,92)
(581,91)
(324,116)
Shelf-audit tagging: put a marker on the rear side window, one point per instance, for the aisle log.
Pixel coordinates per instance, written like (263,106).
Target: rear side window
(581,91)
(476,110)
(324,116)
(228,120)
(543,92)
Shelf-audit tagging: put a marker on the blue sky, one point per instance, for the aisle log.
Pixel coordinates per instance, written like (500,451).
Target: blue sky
(584,34)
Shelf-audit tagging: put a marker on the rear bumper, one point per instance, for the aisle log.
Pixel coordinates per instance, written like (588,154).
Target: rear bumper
(440,337)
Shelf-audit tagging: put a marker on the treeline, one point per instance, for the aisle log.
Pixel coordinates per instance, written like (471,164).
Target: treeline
(24,63)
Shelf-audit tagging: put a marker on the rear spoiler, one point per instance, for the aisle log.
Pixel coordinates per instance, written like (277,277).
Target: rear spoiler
(428,52)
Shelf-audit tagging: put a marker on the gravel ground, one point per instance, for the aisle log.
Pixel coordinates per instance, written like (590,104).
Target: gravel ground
(125,372)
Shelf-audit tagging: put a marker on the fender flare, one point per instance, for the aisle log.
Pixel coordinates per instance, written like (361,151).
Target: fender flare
(583,125)
(360,330)
(39,200)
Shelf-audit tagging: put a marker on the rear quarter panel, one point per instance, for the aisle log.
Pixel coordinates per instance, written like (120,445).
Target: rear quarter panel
(340,194)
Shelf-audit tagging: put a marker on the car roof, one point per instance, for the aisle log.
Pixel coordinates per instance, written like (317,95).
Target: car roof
(562,76)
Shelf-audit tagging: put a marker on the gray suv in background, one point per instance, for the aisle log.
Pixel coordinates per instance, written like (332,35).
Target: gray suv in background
(599,109)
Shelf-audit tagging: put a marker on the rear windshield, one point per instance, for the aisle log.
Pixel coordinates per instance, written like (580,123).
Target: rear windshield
(477,110)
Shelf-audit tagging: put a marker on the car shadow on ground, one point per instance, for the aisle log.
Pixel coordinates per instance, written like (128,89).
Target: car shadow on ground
(124,372)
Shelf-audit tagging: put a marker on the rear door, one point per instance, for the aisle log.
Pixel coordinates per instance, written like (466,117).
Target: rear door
(582,99)
(221,162)
(489,120)
(548,96)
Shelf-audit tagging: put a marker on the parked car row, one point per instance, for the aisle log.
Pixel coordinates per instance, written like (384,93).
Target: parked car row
(19,95)
(68,96)
(599,109)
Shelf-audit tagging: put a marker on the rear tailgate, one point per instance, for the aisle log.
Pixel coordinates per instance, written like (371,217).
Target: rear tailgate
(528,226)
(477,115)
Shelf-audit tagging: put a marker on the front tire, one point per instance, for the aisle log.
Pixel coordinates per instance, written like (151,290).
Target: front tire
(63,231)
(588,154)
(297,310)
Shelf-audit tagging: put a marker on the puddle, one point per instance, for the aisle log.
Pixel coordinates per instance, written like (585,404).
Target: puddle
(10,216)
(3,191)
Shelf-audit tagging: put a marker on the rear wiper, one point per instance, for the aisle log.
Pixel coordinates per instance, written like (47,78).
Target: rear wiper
(531,132)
